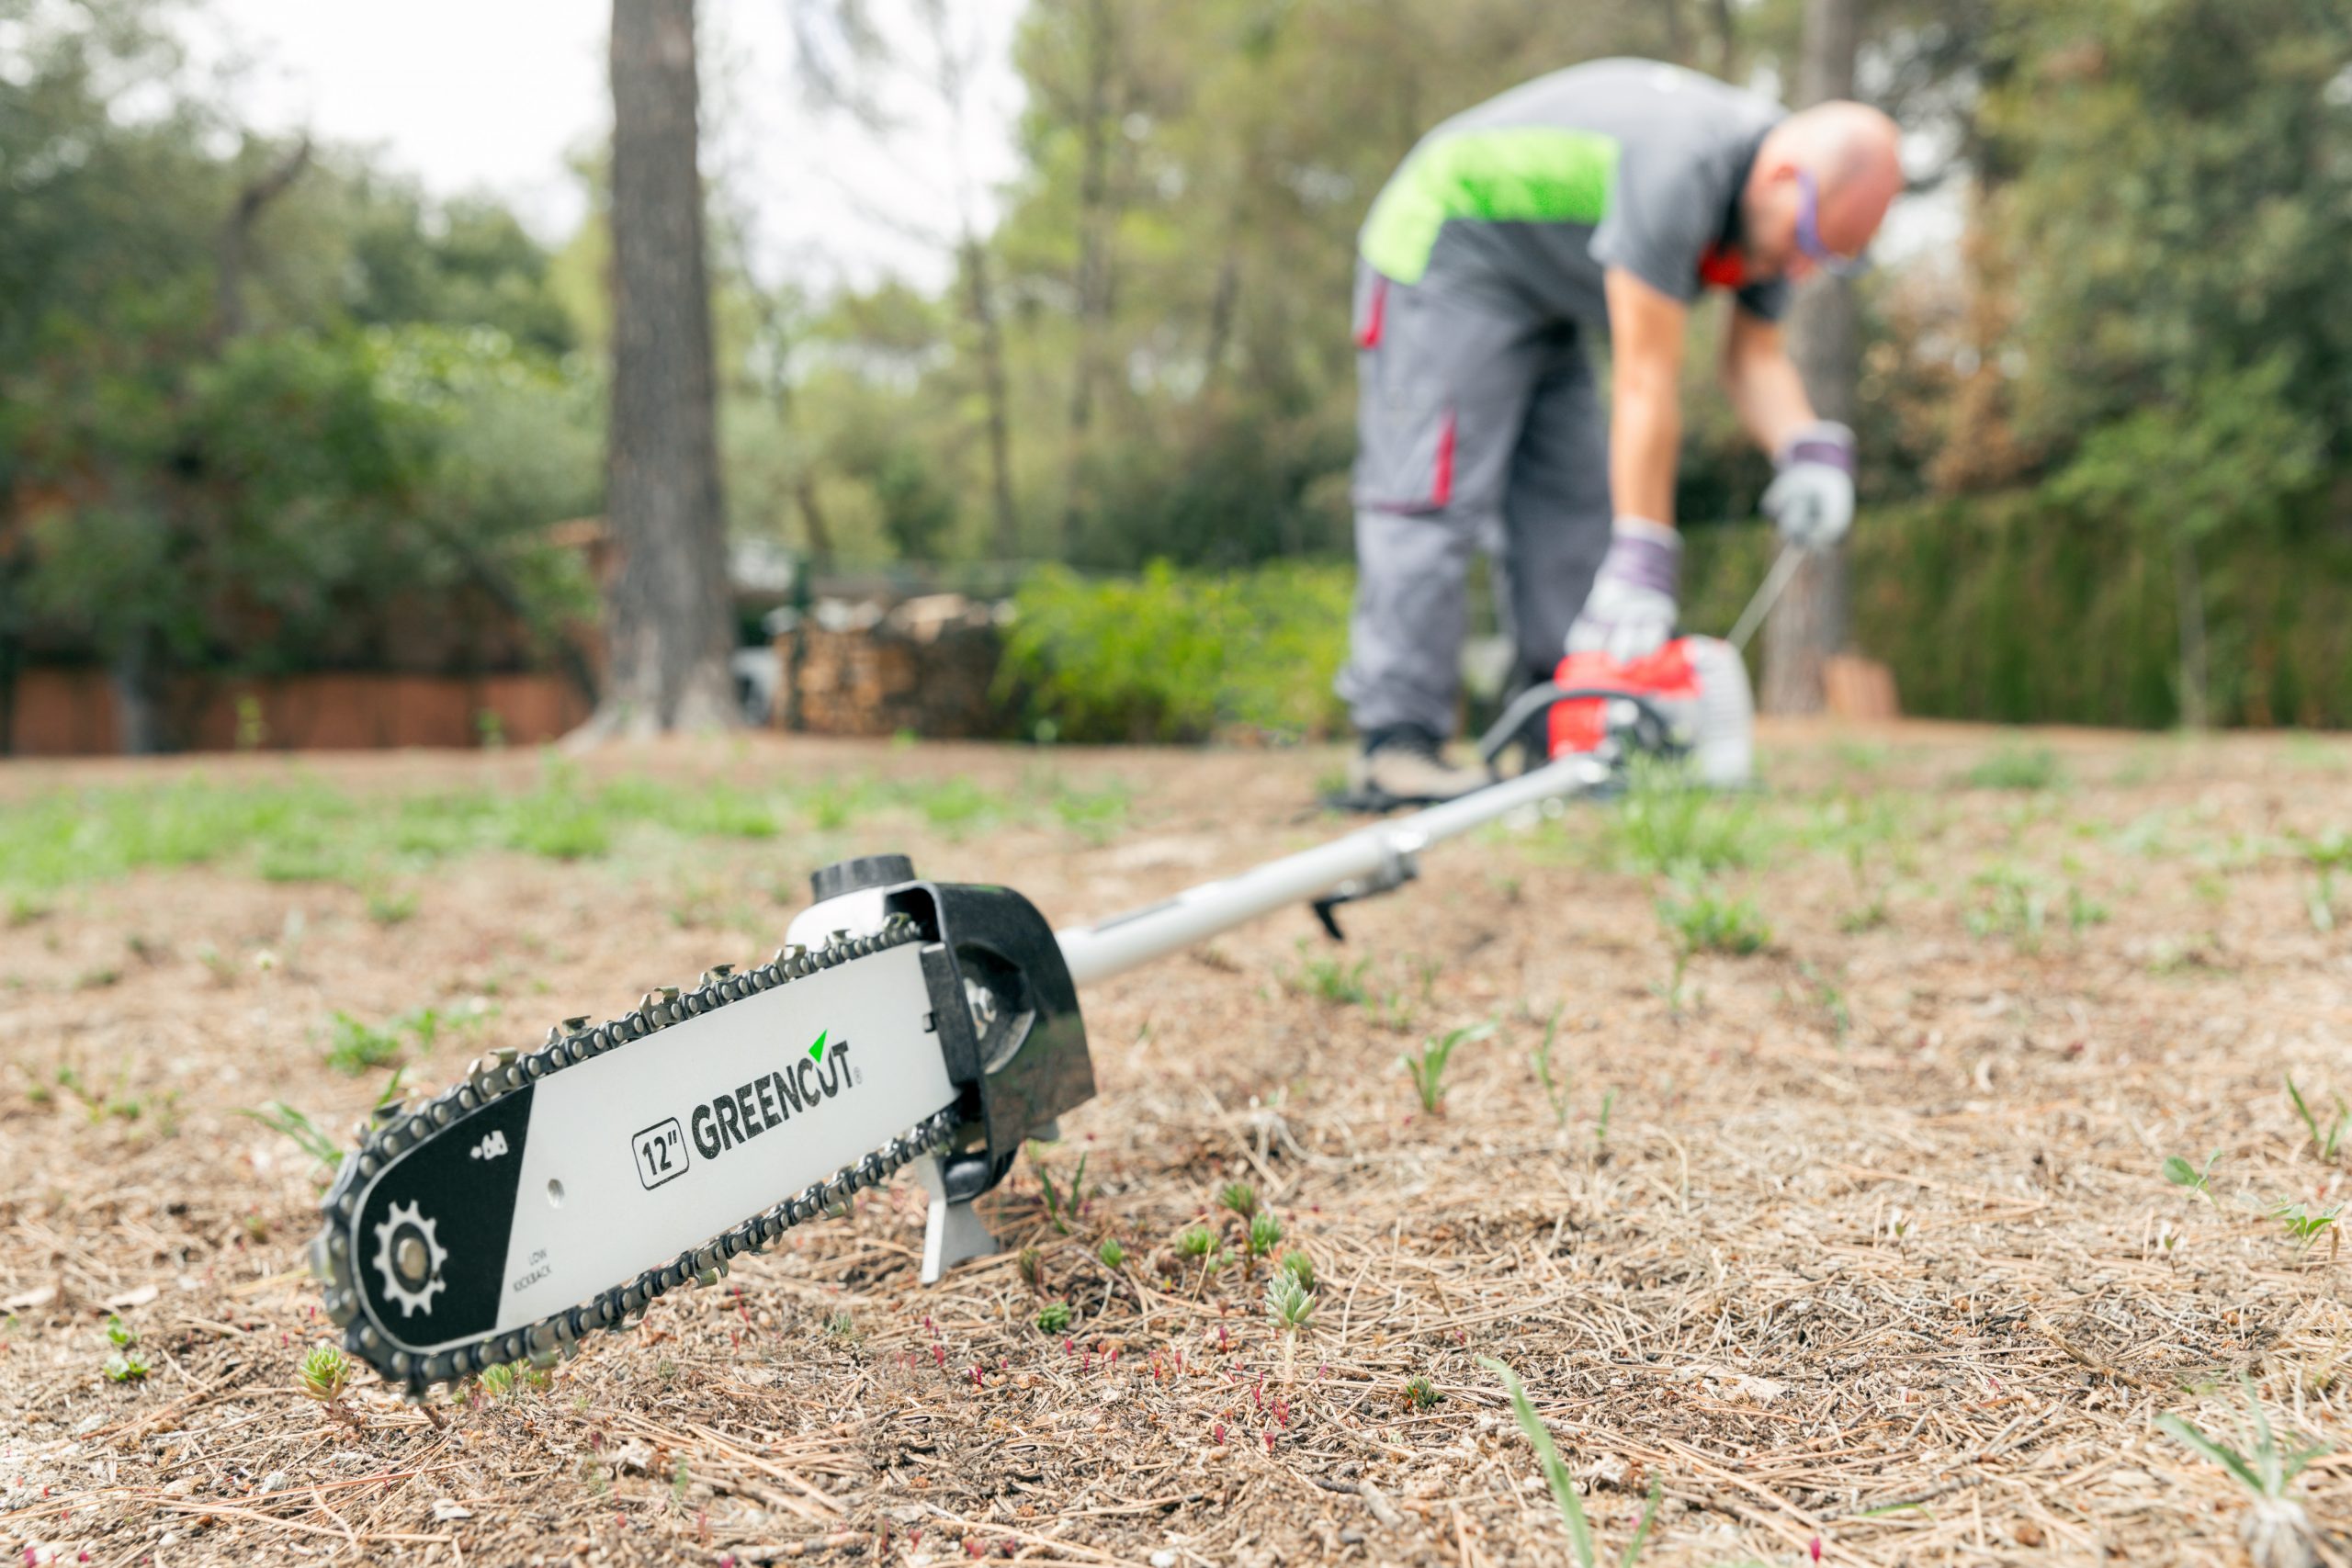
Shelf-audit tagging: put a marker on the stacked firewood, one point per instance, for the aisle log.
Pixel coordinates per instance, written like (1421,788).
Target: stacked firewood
(925,666)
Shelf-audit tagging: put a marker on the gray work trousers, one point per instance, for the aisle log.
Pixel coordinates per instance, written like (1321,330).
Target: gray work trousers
(1475,429)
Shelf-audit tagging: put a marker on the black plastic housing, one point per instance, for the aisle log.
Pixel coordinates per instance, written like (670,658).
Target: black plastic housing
(1005,1008)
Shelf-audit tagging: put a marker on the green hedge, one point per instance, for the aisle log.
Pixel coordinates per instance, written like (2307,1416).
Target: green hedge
(1999,608)
(2004,608)
(1179,655)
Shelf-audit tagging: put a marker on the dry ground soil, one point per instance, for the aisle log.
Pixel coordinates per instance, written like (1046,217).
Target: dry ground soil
(1858,1244)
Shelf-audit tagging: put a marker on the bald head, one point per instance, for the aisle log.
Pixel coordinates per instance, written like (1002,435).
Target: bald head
(1852,153)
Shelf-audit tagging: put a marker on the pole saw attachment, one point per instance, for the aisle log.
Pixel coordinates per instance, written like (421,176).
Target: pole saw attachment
(904,1023)
(557,1191)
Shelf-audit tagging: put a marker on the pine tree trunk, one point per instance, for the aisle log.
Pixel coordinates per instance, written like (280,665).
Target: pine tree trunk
(1808,627)
(996,396)
(1094,284)
(671,615)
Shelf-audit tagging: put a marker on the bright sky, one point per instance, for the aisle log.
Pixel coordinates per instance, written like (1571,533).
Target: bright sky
(499,94)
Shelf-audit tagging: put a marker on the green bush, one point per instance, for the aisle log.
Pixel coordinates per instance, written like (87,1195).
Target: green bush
(1180,656)
(2014,609)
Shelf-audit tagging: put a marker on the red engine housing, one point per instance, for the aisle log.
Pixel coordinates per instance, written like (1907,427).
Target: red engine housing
(1668,677)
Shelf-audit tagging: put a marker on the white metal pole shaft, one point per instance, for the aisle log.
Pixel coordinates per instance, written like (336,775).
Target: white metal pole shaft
(1118,944)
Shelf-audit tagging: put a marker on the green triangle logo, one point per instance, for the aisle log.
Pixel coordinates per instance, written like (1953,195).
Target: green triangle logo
(816,1051)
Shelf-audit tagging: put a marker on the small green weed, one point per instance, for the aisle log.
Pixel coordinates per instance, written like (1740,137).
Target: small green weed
(1240,1197)
(1427,1067)
(280,1117)
(119,1335)
(389,906)
(1265,1235)
(1300,1267)
(2326,855)
(1556,1088)
(2018,910)
(126,1366)
(1288,1303)
(1111,1254)
(2305,1226)
(2323,1144)
(1328,979)
(2037,769)
(354,1047)
(1563,1485)
(325,1374)
(1062,1205)
(1421,1394)
(1703,922)
(2182,1174)
(1666,826)
(1196,1241)
(2265,1467)
(1054,1317)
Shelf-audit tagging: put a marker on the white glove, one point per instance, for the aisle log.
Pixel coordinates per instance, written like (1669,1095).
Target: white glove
(1812,500)
(1631,608)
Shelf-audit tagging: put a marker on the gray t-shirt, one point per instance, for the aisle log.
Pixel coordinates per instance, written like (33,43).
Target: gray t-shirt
(1521,203)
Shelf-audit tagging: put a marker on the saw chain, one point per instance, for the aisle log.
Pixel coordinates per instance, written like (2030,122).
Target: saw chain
(947,1032)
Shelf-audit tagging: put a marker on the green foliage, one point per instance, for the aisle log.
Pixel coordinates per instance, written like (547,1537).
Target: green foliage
(2304,1225)
(325,1373)
(2012,609)
(2266,1467)
(1240,1198)
(2326,854)
(119,1333)
(1427,1065)
(2193,1178)
(1665,825)
(1547,1458)
(1265,1235)
(380,416)
(126,1366)
(1180,656)
(1300,1267)
(1705,921)
(1062,1206)
(1556,1086)
(1054,1317)
(2323,1144)
(1421,1394)
(2013,768)
(1196,1241)
(69,838)
(1288,1303)
(1329,980)
(355,1047)
(1113,1255)
(282,1118)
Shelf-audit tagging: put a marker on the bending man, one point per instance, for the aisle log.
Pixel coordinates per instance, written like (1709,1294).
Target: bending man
(1598,199)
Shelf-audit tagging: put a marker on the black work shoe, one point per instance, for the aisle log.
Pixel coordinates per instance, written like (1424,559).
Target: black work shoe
(1406,765)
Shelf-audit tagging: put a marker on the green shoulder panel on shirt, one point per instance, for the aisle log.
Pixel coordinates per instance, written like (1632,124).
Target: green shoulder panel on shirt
(1519,175)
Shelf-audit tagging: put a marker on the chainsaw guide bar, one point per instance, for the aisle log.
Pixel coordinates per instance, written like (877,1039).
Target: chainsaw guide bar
(486,1226)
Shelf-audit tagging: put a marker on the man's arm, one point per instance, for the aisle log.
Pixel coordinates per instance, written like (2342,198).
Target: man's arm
(1763,383)
(1646,333)
(1812,500)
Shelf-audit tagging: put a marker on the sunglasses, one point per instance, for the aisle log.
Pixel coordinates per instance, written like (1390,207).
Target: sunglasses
(1809,234)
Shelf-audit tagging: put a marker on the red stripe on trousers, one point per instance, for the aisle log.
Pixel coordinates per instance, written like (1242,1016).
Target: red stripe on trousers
(1442,480)
(1375,312)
